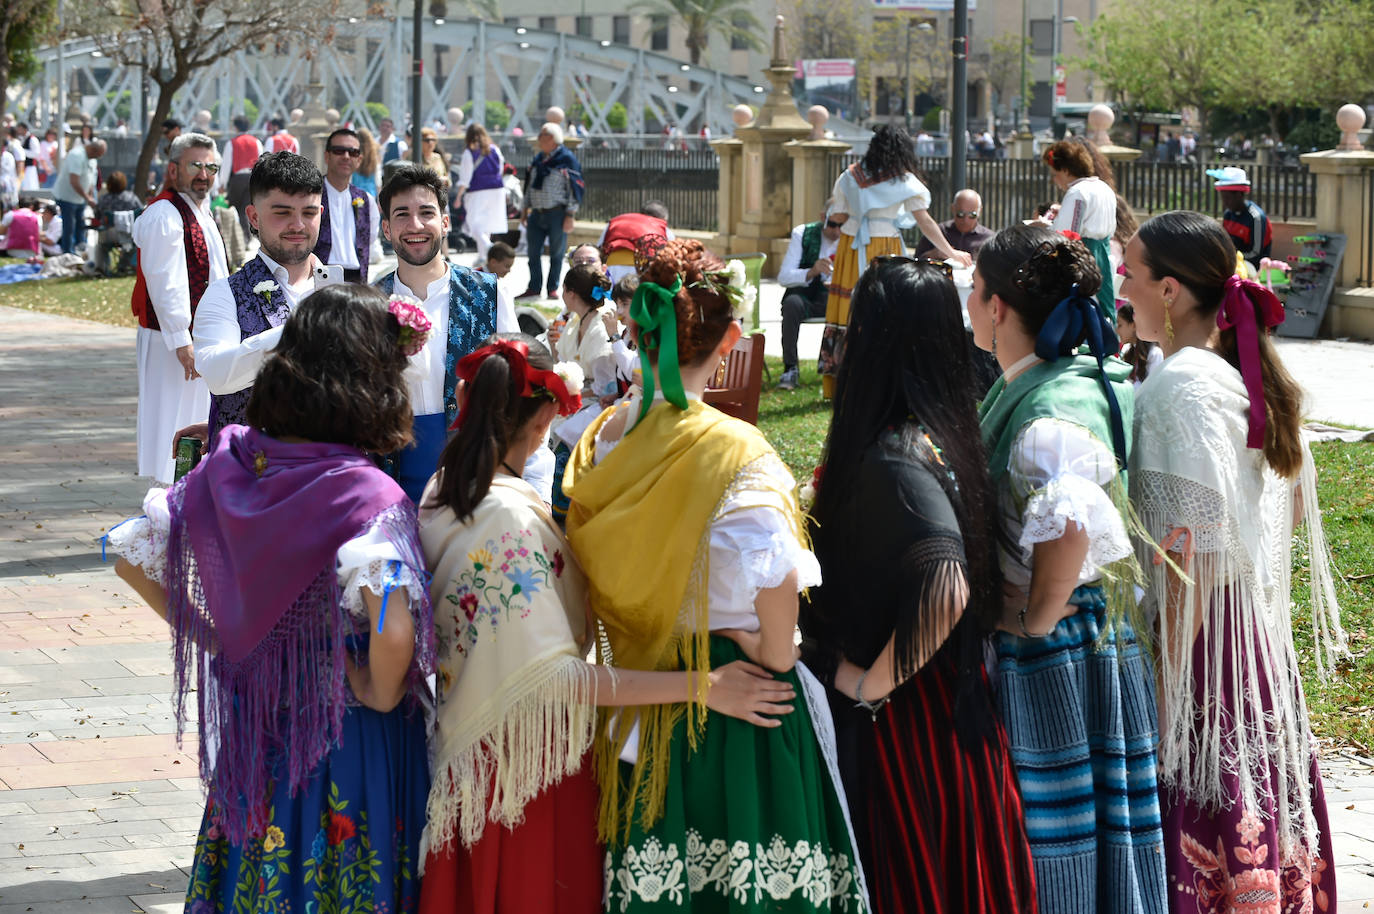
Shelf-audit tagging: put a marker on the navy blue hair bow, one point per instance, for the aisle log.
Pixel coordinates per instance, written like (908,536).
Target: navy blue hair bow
(1075,320)
(600,293)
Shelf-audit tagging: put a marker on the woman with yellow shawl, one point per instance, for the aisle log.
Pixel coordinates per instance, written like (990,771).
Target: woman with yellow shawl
(698,811)
(512,810)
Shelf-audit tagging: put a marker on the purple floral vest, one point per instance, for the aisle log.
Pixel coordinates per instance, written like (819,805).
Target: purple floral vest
(362,227)
(257,312)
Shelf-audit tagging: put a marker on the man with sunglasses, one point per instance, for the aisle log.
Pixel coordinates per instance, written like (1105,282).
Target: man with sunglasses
(963,232)
(180,253)
(805,274)
(349,217)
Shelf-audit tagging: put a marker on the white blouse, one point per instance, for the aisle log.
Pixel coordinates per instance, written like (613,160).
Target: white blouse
(1088,208)
(880,224)
(1057,470)
(362,561)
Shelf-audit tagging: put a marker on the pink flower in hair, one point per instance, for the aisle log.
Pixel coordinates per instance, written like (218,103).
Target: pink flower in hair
(415,324)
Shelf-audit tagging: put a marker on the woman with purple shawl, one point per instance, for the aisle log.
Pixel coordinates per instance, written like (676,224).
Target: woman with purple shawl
(290,570)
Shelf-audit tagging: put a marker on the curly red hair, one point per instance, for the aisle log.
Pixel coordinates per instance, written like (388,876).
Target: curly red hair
(703,315)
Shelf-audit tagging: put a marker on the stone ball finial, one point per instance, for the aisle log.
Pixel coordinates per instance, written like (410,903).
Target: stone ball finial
(554,115)
(1350,118)
(1100,120)
(296,115)
(741,115)
(332,117)
(816,116)
(202,120)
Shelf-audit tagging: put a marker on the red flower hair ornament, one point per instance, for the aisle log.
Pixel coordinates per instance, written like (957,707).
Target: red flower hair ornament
(533,381)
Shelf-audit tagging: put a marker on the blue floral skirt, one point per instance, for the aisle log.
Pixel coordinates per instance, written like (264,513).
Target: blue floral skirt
(348,841)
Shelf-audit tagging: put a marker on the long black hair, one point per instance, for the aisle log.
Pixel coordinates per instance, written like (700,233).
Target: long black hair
(907,366)
(890,154)
(494,414)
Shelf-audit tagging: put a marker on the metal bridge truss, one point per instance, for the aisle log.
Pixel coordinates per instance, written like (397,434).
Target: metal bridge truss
(370,60)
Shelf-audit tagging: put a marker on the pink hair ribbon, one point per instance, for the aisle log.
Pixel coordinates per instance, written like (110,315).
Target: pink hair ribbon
(1238,306)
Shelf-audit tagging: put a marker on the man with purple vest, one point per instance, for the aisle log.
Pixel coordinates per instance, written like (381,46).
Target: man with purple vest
(349,216)
(180,253)
(240,318)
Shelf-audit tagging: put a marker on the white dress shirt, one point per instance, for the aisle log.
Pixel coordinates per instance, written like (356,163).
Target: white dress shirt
(425,375)
(161,241)
(228,362)
(342,229)
(792,273)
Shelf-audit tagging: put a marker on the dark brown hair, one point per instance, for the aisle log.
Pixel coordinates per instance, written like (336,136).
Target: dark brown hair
(582,279)
(116,183)
(703,315)
(476,133)
(1195,250)
(1071,157)
(493,415)
(1033,267)
(336,375)
(625,287)
(1139,355)
(1126,224)
(1102,166)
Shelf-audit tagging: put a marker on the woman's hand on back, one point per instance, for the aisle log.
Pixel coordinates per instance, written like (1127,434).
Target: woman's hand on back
(747,691)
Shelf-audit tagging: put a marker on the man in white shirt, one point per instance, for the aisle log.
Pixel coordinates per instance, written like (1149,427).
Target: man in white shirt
(805,274)
(240,317)
(392,146)
(464,306)
(180,255)
(75,190)
(349,219)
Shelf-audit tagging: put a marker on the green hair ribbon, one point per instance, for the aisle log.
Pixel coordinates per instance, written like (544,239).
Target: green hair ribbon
(652,310)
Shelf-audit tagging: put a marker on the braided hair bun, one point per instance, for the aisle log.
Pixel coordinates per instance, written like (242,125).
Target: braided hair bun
(1056,267)
(703,314)
(1033,268)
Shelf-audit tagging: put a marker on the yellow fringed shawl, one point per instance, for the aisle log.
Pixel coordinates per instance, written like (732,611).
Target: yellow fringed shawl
(654,496)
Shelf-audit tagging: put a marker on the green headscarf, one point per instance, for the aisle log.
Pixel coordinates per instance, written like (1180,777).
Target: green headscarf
(652,310)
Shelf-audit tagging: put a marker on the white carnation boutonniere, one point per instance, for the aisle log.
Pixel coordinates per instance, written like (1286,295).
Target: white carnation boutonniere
(571,375)
(265,289)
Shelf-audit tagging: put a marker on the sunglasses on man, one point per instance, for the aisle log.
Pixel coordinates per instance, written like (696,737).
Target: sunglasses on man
(966,214)
(351,151)
(831,223)
(209,168)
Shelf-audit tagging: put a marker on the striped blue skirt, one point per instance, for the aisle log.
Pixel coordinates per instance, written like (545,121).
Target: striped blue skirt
(1082,725)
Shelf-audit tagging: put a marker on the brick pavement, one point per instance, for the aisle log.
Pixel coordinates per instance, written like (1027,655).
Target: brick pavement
(98,806)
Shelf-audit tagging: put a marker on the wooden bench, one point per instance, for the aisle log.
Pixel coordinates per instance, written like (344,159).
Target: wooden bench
(735,388)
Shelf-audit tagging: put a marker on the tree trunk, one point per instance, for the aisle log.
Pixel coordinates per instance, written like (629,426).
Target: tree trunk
(165,91)
(4,65)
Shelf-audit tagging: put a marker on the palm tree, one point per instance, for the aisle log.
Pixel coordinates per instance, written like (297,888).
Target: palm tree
(731,19)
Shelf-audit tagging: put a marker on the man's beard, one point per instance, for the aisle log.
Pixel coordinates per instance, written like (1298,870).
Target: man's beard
(283,255)
(403,251)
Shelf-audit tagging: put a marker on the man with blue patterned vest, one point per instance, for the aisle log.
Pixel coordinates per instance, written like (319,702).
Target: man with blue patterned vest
(464,306)
(348,214)
(239,319)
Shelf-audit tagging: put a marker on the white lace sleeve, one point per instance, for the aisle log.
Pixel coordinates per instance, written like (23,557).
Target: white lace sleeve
(754,548)
(370,561)
(142,540)
(1060,469)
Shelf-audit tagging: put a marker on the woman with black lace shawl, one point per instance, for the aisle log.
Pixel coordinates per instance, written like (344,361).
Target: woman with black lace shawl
(904,528)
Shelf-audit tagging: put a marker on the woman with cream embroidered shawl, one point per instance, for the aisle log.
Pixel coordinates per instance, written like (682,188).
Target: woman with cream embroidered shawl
(1074,686)
(1222,479)
(875,198)
(700,812)
(512,813)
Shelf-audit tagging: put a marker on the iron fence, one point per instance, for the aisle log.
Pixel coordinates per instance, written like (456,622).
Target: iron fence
(621,180)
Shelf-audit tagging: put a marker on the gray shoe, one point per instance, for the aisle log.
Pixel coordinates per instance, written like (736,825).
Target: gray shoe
(790,379)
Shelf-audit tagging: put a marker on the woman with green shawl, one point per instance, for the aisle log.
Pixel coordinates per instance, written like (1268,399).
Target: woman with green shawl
(1075,693)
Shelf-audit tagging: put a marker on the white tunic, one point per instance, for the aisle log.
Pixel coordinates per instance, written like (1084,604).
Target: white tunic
(166,400)
(1088,208)
(485,209)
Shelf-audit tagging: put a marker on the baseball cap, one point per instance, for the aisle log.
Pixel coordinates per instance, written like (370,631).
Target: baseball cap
(1230,178)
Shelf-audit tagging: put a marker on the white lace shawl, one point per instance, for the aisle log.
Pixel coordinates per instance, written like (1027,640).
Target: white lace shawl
(1219,509)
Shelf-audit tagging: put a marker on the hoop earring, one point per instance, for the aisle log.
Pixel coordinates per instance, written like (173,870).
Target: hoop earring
(1168,323)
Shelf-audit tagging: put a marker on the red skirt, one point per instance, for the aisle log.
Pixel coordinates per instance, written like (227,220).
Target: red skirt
(941,826)
(550,863)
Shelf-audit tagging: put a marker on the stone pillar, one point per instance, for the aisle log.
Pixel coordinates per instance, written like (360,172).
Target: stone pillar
(765,222)
(1100,120)
(729,193)
(812,176)
(1342,192)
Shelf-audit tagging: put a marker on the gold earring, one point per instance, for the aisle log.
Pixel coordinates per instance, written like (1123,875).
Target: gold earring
(1168,324)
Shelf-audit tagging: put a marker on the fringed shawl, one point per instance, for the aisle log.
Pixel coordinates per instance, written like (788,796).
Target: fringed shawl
(516,699)
(257,619)
(1217,506)
(657,493)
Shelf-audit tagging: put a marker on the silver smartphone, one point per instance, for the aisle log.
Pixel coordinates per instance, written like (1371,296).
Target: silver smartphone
(328,275)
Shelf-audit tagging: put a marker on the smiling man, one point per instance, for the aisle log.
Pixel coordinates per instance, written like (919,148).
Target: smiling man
(180,253)
(240,317)
(464,306)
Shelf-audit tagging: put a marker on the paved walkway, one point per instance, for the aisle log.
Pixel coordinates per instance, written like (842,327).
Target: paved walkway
(98,806)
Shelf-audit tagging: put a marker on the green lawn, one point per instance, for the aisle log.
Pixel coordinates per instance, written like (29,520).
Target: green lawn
(796,423)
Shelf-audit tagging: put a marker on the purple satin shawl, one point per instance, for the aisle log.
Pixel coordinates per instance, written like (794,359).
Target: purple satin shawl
(275,514)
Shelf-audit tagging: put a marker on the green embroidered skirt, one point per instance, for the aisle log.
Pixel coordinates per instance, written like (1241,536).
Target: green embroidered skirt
(753,821)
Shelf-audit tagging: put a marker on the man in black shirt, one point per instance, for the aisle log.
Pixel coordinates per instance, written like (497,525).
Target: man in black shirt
(964,232)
